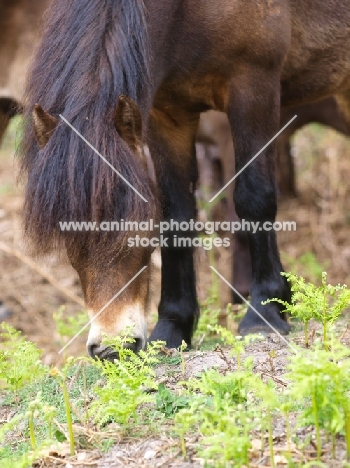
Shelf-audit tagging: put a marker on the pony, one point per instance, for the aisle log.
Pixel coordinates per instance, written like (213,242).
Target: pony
(215,154)
(125,73)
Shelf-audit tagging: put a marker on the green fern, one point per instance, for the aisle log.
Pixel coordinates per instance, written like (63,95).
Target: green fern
(322,378)
(19,360)
(323,303)
(216,412)
(168,402)
(128,380)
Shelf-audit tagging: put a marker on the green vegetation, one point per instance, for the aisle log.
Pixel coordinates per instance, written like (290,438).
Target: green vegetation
(323,303)
(19,361)
(68,326)
(323,378)
(130,379)
(226,415)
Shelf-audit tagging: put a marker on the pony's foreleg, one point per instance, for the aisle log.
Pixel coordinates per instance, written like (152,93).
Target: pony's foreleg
(254,117)
(172,149)
(242,268)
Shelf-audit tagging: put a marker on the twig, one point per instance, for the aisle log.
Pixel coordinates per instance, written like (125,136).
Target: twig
(191,358)
(92,462)
(16,253)
(200,342)
(274,378)
(219,349)
(345,332)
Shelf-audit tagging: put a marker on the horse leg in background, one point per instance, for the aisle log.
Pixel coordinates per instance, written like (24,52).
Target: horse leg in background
(172,147)
(215,154)
(241,262)
(254,119)
(242,266)
(324,112)
(285,170)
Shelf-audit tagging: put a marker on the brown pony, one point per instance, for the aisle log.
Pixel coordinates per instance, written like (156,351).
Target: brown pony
(128,72)
(215,154)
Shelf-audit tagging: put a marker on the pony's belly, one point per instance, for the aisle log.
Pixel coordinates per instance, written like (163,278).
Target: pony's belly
(315,82)
(318,61)
(198,94)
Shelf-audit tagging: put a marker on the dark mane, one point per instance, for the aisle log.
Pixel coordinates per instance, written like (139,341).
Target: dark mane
(90,53)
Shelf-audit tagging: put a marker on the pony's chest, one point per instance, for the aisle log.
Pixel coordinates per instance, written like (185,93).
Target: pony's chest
(195,94)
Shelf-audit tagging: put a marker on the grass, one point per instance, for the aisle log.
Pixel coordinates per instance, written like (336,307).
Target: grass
(89,404)
(46,392)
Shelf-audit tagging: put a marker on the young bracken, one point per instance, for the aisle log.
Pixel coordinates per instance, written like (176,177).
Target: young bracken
(126,73)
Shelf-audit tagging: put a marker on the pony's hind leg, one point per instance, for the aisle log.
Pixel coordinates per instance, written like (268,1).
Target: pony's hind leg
(254,117)
(343,100)
(172,147)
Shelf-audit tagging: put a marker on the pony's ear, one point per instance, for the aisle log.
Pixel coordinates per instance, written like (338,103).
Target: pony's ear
(128,121)
(44,125)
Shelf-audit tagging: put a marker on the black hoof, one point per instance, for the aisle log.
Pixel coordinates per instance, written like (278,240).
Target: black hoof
(173,335)
(264,330)
(275,322)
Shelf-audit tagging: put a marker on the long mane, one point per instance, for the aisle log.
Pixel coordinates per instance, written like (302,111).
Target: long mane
(91,52)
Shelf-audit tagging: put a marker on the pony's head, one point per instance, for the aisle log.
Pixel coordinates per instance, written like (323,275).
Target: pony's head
(103,257)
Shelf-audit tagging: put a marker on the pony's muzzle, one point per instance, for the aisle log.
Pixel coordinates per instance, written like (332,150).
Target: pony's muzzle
(126,321)
(97,351)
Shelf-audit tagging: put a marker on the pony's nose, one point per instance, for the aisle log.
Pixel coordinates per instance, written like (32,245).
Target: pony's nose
(105,352)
